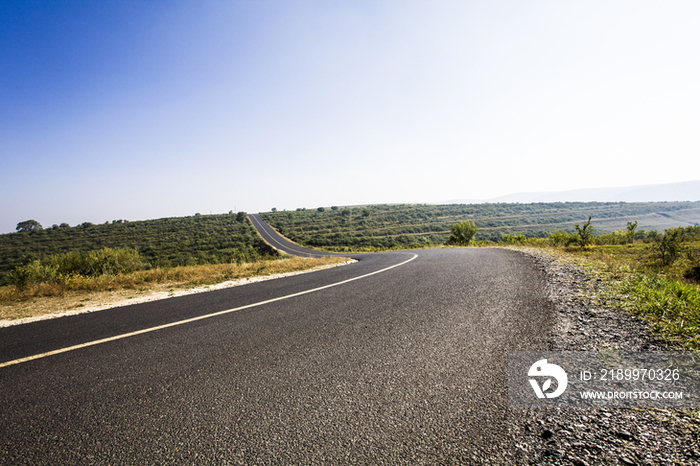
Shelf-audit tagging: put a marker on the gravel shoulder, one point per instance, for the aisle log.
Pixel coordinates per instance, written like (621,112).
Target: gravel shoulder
(587,322)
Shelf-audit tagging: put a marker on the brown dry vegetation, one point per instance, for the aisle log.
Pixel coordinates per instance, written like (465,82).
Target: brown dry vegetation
(81,292)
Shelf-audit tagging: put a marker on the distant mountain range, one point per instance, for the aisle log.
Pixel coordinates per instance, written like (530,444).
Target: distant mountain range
(685,191)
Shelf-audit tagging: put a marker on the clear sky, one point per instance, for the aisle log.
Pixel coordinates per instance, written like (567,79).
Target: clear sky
(146,109)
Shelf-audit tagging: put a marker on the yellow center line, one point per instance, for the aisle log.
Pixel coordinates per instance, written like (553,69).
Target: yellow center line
(272,237)
(193,319)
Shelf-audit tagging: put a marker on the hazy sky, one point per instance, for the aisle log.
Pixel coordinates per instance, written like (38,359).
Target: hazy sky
(147,109)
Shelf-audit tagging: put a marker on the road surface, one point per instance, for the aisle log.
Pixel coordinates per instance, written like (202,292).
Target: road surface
(281,243)
(399,358)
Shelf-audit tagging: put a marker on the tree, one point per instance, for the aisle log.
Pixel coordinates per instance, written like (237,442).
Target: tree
(29,225)
(668,247)
(585,233)
(631,228)
(241,217)
(462,233)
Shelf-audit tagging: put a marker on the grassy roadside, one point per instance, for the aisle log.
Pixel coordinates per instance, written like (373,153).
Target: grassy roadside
(82,293)
(661,296)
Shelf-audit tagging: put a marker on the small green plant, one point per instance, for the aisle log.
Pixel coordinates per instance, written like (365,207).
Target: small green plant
(462,233)
(585,233)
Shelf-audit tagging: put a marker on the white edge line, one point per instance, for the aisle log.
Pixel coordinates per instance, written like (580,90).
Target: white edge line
(193,319)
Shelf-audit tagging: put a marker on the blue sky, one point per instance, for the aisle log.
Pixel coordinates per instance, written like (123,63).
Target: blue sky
(148,109)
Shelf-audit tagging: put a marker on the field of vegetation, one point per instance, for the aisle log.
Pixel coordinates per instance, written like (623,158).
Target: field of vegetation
(406,226)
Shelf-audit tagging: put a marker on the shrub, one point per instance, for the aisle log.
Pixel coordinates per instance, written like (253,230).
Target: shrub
(585,233)
(513,239)
(108,261)
(59,267)
(668,247)
(561,238)
(614,238)
(33,274)
(462,233)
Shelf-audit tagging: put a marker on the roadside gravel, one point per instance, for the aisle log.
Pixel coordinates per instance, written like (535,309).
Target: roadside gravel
(588,322)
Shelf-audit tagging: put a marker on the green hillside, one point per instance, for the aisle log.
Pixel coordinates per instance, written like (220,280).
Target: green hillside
(386,226)
(204,239)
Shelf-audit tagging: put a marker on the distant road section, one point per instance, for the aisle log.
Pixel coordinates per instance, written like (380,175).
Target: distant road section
(281,243)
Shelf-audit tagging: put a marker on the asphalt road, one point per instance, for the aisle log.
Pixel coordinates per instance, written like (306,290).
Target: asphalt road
(281,243)
(403,366)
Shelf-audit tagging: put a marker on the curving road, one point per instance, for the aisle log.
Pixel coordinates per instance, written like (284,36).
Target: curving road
(281,243)
(397,359)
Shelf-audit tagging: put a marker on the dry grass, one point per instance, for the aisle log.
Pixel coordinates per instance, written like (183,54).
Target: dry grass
(85,294)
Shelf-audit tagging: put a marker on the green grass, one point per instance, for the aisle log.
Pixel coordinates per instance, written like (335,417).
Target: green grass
(671,306)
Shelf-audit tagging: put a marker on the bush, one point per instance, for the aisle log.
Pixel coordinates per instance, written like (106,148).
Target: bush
(614,238)
(57,268)
(109,261)
(513,239)
(561,238)
(462,233)
(32,274)
(668,247)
